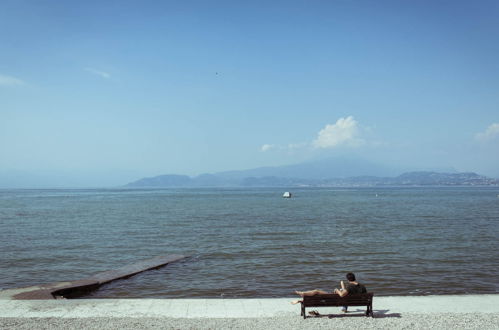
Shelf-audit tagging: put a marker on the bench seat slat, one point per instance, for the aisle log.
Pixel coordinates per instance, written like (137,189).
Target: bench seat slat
(337,304)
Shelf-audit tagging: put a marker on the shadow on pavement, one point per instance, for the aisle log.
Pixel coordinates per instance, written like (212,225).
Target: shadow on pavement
(378,313)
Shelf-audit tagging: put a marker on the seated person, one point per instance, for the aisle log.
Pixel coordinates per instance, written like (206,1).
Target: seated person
(352,287)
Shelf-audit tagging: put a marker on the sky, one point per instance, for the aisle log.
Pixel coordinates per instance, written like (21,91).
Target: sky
(101,93)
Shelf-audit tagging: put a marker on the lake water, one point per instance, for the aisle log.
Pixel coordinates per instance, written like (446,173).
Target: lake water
(252,242)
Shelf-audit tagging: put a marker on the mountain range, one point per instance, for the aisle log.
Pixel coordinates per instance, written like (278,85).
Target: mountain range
(327,172)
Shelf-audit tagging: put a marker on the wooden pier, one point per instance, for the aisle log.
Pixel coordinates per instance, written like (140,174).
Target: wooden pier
(77,288)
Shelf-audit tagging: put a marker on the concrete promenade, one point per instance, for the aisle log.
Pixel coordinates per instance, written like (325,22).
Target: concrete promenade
(238,308)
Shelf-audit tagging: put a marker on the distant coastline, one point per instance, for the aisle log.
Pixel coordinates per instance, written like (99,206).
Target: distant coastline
(421,178)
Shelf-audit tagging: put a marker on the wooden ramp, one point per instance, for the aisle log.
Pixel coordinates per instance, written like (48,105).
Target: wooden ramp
(77,288)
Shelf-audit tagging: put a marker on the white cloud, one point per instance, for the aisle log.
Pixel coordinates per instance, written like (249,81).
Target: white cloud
(10,81)
(98,73)
(345,132)
(290,147)
(490,133)
(267,147)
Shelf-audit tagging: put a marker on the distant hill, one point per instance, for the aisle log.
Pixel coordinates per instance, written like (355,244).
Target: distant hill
(337,167)
(406,179)
(162,181)
(330,172)
(434,178)
(307,173)
(421,179)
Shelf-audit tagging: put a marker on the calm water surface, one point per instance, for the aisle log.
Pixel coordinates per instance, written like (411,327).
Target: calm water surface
(252,242)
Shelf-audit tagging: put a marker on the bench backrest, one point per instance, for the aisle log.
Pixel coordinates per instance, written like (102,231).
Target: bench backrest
(318,300)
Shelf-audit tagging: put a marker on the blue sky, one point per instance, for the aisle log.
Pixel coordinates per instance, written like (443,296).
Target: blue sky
(104,92)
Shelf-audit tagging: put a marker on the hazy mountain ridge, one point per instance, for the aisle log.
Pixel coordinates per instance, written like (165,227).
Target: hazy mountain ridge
(320,169)
(338,171)
(405,179)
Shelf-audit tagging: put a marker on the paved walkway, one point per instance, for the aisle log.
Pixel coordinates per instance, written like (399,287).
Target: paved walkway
(236,308)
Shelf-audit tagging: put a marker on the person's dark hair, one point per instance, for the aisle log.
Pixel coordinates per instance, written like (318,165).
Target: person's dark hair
(351,277)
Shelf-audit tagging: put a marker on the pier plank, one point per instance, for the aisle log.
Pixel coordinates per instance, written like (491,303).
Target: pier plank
(132,269)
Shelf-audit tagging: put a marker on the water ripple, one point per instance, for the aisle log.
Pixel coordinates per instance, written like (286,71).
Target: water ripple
(253,243)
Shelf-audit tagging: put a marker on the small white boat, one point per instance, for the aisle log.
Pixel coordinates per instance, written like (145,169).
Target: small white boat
(287,194)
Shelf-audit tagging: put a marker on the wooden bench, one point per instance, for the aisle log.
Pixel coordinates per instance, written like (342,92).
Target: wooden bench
(334,300)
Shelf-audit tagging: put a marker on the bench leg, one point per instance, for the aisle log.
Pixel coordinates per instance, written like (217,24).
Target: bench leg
(303,311)
(369,311)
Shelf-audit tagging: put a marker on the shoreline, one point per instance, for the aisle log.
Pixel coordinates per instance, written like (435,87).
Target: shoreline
(390,312)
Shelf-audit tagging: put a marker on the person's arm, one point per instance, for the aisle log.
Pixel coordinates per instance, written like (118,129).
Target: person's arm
(341,293)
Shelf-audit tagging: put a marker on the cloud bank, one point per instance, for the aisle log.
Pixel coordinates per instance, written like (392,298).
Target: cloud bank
(266,147)
(10,81)
(490,133)
(345,132)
